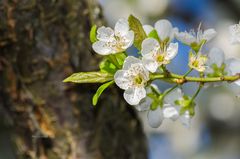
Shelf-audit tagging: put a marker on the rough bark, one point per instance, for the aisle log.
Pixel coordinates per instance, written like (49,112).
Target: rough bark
(41,43)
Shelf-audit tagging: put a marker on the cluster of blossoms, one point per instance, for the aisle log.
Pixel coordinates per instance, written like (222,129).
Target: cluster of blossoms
(156,50)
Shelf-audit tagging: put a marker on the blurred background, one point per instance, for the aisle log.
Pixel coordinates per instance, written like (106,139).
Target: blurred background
(56,35)
(215,130)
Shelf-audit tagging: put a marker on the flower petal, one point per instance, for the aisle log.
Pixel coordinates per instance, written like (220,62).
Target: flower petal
(186,119)
(129,61)
(121,27)
(128,39)
(209,34)
(216,56)
(234,67)
(234,30)
(120,79)
(155,117)
(147,28)
(164,29)
(170,112)
(186,38)
(172,51)
(144,104)
(134,95)
(173,96)
(150,63)
(105,34)
(102,48)
(149,45)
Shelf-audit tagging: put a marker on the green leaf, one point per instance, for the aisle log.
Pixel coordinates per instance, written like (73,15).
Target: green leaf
(120,58)
(154,34)
(93,34)
(89,77)
(139,33)
(107,66)
(99,92)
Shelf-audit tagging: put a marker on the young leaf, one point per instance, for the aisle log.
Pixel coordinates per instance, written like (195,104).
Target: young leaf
(120,58)
(89,77)
(139,33)
(153,34)
(93,34)
(107,66)
(99,92)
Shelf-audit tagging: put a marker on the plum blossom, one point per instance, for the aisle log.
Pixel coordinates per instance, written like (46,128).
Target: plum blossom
(161,112)
(171,106)
(169,110)
(219,66)
(197,61)
(216,64)
(234,31)
(234,68)
(164,30)
(132,78)
(154,55)
(192,38)
(113,41)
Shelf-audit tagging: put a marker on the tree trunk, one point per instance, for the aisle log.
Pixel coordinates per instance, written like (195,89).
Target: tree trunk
(41,43)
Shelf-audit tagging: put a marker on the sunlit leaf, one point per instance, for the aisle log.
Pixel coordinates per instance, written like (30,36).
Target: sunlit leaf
(93,34)
(89,77)
(139,33)
(99,92)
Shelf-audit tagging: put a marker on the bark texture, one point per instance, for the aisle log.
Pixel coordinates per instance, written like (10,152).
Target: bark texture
(41,43)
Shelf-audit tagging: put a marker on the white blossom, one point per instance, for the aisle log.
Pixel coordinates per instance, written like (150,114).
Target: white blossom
(155,117)
(193,38)
(173,96)
(186,119)
(132,78)
(146,102)
(218,65)
(113,41)
(234,31)
(164,29)
(154,55)
(215,66)
(234,68)
(197,61)
(169,110)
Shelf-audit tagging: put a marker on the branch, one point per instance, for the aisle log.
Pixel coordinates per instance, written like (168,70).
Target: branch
(180,79)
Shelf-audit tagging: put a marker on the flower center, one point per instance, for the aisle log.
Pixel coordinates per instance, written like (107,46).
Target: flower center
(160,58)
(138,80)
(195,63)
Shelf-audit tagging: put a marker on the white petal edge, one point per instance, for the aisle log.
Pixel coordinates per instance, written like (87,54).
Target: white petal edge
(121,28)
(105,34)
(164,29)
(129,61)
(134,95)
(149,45)
(129,38)
(150,63)
(170,112)
(186,119)
(144,104)
(209,34)
(155,117)
(120,80)
(101,48)
(186,38)
(172,51)
(217,56)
